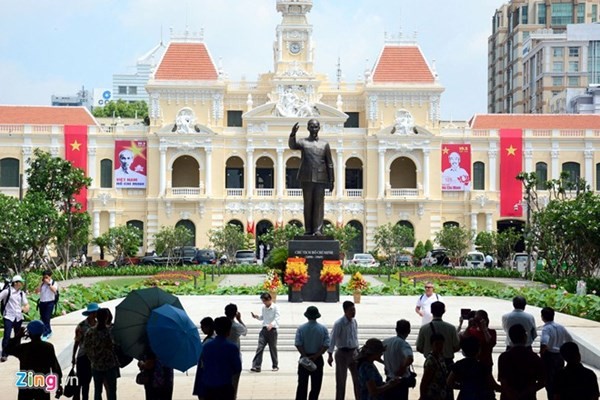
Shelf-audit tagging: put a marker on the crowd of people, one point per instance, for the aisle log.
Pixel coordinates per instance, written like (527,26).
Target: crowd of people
(522,371)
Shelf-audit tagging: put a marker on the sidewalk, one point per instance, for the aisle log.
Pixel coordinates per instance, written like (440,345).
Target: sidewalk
(373,311)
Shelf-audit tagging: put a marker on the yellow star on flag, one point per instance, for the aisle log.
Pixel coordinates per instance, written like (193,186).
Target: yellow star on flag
(510,151)
(445,150)
(136,150)
(75,146)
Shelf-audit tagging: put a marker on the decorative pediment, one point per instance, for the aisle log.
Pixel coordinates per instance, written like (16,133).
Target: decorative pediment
(199,129)
(268,112)
(414,132)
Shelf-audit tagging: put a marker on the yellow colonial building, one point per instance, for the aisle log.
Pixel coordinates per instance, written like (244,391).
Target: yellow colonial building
(216,151)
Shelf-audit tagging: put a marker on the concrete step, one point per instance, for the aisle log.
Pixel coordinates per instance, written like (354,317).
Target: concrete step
(287,335)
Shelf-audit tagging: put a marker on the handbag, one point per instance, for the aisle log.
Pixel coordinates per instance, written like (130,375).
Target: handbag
(143,377)
(72,384)
(409,381)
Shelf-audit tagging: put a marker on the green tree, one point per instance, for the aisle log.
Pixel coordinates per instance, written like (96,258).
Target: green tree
(25,235)
(486,243)
(392,239)
(123,109)
(228,239)
(419,253)
(279,237)
(102,241)
(505,245)
(456,241)
(58,181)
(428,245)
(168,238)
(123,241)
(343,234)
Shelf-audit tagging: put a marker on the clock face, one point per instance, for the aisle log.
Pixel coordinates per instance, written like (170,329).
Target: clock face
(295,47)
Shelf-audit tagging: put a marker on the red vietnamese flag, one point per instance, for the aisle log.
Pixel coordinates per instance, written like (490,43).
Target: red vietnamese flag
(76,153)
(511,164)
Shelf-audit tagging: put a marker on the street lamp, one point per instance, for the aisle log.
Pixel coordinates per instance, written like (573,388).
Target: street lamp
(527,235)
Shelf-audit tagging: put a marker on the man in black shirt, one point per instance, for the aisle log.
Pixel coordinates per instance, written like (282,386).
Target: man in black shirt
(575,381)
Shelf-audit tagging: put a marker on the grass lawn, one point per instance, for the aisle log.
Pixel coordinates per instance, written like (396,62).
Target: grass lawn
(120,282)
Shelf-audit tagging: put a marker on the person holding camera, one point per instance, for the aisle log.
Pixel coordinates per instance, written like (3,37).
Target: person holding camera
(37,356)
(479,328)
(47,290)
(397,358)
(14,304)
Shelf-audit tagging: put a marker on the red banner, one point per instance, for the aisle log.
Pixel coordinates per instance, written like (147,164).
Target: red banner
(511,164)
(131,168)
(250,227)
(456,167)
(76,153)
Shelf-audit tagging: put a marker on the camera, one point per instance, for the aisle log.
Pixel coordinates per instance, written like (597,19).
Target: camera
(467,313)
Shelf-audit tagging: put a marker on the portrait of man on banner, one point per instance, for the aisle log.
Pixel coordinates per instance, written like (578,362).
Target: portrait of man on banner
(130,164)
(456,167)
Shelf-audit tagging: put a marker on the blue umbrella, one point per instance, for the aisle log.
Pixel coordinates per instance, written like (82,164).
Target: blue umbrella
(173,337)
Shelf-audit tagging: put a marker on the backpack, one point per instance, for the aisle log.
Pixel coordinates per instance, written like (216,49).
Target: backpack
(4,302)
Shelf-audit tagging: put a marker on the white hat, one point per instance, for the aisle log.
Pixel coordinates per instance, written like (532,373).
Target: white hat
(17,278)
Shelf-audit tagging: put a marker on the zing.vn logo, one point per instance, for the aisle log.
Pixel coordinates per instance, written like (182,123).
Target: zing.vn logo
(36,380)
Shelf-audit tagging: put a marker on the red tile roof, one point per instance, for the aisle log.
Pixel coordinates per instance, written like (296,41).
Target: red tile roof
(535,121)
(186,61)
(402,64)
(45,115)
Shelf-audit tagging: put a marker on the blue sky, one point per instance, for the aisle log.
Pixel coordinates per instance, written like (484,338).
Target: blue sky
(56,46)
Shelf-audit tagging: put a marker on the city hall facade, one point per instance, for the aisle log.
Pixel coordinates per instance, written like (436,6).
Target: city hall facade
(216,151)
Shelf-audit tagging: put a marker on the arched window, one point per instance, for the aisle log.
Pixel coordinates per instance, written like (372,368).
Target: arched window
(450,224)
(574,171)
(191,227)
(356,246)
(234,173)
(541,172)
(237,223)
(9,172)
(478,176)
(106,173)
(140,225)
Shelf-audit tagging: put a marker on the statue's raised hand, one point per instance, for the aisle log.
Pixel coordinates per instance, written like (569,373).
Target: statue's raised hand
(295,129)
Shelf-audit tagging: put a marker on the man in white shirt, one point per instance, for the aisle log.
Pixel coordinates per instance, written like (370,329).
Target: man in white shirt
(344,336)
(519,316)
(47,290)
(553,337)
(268,334)
(424,302)
(14,305)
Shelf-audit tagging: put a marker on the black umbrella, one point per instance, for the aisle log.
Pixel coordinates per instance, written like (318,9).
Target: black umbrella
(132,316)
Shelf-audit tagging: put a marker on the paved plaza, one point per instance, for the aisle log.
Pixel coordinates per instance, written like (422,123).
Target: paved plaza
(373,312)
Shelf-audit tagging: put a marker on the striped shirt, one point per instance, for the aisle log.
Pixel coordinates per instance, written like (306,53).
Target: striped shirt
(344,334)
(553,336)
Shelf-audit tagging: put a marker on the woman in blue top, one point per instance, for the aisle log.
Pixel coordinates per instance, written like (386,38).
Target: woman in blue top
(370,381)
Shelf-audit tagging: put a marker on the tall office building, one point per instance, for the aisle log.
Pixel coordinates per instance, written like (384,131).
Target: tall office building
(517,26)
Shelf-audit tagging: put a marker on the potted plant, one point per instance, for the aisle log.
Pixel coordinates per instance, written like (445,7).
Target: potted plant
(296,273)
(331,274)
(102,241)
(272,283)
(357,284)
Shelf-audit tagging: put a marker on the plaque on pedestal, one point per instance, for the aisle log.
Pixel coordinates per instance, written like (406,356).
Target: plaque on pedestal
(315,250)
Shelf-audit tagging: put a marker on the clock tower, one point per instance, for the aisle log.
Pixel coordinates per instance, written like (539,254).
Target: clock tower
(293,45)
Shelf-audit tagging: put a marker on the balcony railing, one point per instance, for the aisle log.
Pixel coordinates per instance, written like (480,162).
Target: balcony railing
(264,192)
(403,192)
(294,192)
(354,193)
(235,192)
(186,191)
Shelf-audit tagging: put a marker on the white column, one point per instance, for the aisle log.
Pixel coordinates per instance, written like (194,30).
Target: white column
(426,173)
(112,219)
(250,172)
(492,168)
(381,175)
(474,222)
(528,154)
(555,154)
(280,172)
(91,167)
(96,224)
(488,222)
(208,172)
(589,158)
(341,178)
(163,171)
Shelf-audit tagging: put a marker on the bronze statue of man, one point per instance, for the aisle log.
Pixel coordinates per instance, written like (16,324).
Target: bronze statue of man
(315,175)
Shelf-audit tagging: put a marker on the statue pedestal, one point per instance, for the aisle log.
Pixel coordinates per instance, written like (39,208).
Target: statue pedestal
(316,249)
